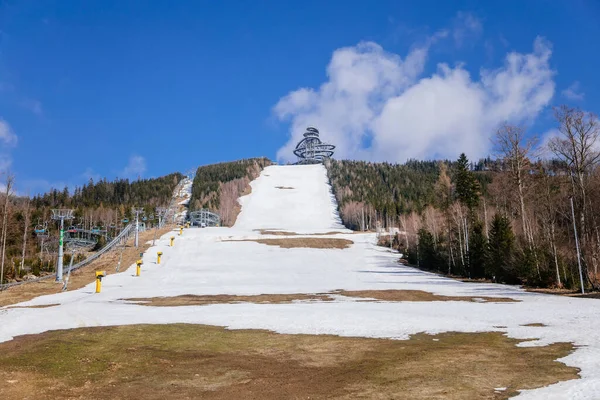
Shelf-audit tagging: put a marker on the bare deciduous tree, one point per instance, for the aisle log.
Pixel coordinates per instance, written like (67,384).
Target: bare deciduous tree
(7,192)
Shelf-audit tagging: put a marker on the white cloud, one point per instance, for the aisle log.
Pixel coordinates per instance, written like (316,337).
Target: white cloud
(374,106)
(572,92)
(135,168)
(8,139)
(466,26)
(7,136)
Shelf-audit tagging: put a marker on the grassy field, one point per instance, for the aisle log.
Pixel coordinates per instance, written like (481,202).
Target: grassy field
(195,361)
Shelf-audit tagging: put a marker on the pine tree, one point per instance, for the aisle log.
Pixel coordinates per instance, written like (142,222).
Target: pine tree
(429,257)
(500,251)
(467,187)
(477,250)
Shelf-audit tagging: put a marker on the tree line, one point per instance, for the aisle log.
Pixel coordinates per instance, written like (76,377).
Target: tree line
(511,218)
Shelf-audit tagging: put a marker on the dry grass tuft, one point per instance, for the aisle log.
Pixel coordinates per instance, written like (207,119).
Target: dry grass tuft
(419,295)
(284,187)
(195,361)
(535,324)
(302,242)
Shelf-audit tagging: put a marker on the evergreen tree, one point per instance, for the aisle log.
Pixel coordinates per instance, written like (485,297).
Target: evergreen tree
(429,258)
(477,250)
(500,252)
(467,186)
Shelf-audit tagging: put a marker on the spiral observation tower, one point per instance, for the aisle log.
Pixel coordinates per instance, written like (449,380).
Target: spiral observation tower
(311,150)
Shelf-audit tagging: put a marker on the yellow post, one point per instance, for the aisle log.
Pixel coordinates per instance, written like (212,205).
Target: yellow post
(172,241)
(180,230)
(99,276)
(138,268)
(158,257)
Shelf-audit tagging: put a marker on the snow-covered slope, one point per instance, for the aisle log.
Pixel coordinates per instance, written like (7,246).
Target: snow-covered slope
(214,261)
(292,198)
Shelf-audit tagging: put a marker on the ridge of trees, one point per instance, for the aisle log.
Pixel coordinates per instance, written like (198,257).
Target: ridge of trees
(507,219)
(217,187)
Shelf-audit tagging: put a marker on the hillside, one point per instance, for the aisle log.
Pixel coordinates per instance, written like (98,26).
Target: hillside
(296,305)
(103,204)
(216,187)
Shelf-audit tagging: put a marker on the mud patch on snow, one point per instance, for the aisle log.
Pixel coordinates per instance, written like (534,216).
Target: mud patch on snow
(198,300)
(418,295)
(302,242)
(197,361)
(284,233)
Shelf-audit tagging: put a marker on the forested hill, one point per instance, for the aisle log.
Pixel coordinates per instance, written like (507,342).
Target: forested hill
(218,186)
(382,191)
(509,219)
(120,192)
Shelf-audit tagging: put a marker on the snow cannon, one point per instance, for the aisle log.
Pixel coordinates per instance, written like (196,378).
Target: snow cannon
(99,276)
(138,268)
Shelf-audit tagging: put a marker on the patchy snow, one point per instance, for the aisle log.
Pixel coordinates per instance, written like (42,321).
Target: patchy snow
(204,262)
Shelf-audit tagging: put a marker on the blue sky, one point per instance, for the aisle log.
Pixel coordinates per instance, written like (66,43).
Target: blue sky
(130,88)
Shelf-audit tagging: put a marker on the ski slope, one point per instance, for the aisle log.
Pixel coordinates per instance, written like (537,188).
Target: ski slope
(220,261)
(290,198)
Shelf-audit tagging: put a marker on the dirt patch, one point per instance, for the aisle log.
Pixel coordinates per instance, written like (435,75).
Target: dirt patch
(197,300)
(284,187)
(302,242)
(82,276)
(284,233)
(419,295)
(537,324)
(364,295)
(38,306)
(194,361)
(565,292)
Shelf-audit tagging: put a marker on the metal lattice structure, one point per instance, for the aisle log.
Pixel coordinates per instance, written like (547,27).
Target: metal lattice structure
(204,218)
(311,150)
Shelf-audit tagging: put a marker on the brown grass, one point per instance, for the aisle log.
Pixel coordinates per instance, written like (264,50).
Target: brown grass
(284,187)
(565,292)
(82,276)
(284,233)
(367,295)
(202,300)
(419,295)
(302,242)
(536,324)
(195,361)
(37,306)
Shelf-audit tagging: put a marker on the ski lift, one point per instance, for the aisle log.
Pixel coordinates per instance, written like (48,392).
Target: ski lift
(72,229)
(40,230)
(144,218)
(112,226)
(125,220)
(95,229)
(151,216)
